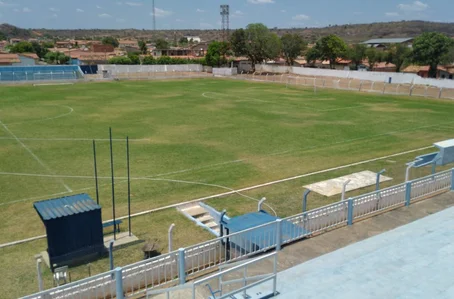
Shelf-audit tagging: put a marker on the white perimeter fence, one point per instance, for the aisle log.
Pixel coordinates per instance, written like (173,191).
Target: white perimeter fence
(397,78)
(176,267)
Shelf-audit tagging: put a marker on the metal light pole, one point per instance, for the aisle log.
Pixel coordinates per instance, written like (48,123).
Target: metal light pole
(259,206)
(407,172)
(377,183)
(171,237)
(344,186)
(306,193)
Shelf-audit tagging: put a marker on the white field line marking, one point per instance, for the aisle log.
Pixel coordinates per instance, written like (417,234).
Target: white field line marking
(75,139)
(237,190)
(52,84)
(71,110)
(227,193)
(238,160)
(32,154)
(57,194)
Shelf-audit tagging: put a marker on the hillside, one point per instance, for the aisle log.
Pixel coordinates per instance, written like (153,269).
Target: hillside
(351,33)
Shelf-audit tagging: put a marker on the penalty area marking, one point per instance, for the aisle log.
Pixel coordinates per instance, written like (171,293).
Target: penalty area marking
(71,110)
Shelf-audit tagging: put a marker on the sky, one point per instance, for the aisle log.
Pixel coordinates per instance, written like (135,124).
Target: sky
(205,14)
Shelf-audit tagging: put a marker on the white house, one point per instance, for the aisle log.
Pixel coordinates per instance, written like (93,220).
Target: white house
(195,39)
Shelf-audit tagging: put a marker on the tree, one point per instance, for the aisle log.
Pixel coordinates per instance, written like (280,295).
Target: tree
(432,48)
(143,47)
(183,41)
(110,40)
(292,46)
(162,44)
(120,60)
(238,42)
(148,60)
(312,55)
(256,42)
(56,58)
(398,54)
(39,49)
(357,54)
(374,56)
(47,45)
(134,57)
(3,36)
(331,48)
(22,47)
(216,53)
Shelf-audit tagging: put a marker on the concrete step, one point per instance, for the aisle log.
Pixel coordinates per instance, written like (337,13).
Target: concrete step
(211,224)
(205,218)
(195,211)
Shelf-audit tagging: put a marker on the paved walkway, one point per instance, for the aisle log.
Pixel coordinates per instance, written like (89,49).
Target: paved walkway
(415,260)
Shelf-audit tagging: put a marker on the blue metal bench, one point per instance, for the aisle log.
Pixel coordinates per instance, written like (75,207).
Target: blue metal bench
(115,224)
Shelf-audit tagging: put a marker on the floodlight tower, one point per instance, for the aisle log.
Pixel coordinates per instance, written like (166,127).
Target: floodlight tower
(154,15)
(225,21)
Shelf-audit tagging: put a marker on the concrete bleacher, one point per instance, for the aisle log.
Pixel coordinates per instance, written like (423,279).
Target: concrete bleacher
(405,253)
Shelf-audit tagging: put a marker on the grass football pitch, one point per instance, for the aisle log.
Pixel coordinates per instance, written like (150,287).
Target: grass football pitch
(190,139)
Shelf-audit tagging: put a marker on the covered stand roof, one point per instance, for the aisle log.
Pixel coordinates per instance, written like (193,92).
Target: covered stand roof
(65,206)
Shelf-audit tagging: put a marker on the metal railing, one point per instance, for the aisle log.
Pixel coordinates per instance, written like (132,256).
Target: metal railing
(177,266)
(435,183)
(246,281)
(98,286)
(230,248)
(150,273)
(377,201)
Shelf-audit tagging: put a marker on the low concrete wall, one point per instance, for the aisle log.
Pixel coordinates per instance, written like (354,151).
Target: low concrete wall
(225,71)
(121,69)
(397,78)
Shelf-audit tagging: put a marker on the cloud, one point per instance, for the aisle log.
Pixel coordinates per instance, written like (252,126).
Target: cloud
(205,25)
(237,14)
(54,15)
(26,9)
(415,6)
(260,1)
(104,15)
(199,10)
(161,13)
(283,10)
(133,3)
(392,14)
(179,20)
(119,3)
(2,3)
(357,13)
(119,20)
(98,7)
(79,10)
(54,9)
(16,10)
(301,18)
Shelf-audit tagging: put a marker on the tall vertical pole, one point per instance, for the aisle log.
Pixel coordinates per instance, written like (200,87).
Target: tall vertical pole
(113,181)
(129,185)
(154,15)
(96,171)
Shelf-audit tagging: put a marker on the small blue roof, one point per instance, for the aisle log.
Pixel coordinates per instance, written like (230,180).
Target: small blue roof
(65,206)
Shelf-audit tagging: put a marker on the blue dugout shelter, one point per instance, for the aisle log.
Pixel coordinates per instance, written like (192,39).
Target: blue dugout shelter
(74,228)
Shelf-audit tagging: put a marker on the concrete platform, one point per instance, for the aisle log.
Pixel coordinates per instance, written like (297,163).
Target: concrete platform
(415,260)
(123,239)
(358,180)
